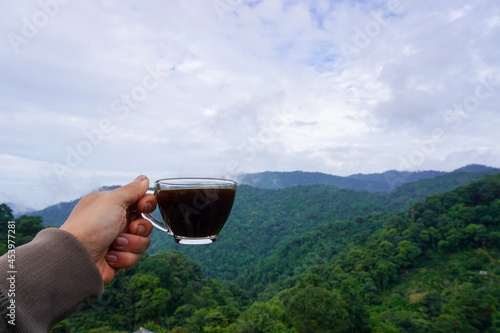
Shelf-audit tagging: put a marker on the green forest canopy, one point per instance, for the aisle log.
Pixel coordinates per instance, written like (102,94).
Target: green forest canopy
(431,268)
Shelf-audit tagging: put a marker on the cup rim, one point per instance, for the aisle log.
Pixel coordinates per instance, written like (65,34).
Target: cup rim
(198,181)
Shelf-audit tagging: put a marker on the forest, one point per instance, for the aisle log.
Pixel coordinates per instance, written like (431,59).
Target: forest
(424,257)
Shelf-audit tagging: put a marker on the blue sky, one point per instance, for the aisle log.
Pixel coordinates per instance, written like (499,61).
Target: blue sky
(95,93)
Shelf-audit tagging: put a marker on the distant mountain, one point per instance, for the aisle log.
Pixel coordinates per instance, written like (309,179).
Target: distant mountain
(477,168)
(404,187)
(18,209)
(402,197)
(376,182)
(391,179)
(276,180)
(55,215)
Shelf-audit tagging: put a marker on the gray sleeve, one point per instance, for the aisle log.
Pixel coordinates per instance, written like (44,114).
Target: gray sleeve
(54,276)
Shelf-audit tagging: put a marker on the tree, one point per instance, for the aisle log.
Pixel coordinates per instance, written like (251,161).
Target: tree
(262,318)
(196,322)
(5,217)
(446,323)
(5,213)
(215,322)
(384,273)
(477,233)
(358,316)
(407,253)
(315,309)
(25,227)
(386,249)
(150,301)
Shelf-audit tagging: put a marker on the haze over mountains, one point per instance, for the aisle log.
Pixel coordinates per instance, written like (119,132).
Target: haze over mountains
(376,182)
(385,182)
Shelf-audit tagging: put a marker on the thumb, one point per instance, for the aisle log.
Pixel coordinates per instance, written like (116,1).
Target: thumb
(132,192)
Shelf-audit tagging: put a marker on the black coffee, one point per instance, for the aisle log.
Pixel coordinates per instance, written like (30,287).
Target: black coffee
(196,212)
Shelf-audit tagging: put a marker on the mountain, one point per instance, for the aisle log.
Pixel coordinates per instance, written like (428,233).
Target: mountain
(418,185)
(263,220)
(319,258)
(433,267)
(276,180)
(386,182)
(476,204)
(404,196)
(18,209)
(55,215)
(477,168)
(376,182)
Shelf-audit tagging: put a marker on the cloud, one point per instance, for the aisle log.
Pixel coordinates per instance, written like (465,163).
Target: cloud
(93,94)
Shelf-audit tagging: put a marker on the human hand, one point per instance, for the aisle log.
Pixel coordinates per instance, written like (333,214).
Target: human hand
(110,227)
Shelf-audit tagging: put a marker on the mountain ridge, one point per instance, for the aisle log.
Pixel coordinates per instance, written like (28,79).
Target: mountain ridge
(55,215)
(373,182)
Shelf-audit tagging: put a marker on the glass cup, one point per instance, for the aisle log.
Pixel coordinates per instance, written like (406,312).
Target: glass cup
(193,210)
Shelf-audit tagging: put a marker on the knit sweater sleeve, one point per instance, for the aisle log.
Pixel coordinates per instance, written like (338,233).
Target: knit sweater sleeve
(53,276)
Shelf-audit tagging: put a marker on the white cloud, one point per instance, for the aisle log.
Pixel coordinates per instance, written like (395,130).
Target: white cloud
(118,88)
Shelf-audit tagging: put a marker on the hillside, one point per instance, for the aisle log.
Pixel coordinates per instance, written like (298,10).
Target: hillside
(263,220)
(377,182)
(433,268)
(440,222)
(404,196)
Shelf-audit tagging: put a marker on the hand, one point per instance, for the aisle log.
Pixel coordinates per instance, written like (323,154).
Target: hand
(109,226)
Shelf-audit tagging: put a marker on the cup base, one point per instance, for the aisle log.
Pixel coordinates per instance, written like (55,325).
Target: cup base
(195,241)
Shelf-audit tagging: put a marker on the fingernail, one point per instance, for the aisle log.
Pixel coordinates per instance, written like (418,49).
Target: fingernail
(140,230)
(111,258)
(148,207)
(121,241)
(139,179)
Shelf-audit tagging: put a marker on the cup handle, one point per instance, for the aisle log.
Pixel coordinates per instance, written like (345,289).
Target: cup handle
(156,223)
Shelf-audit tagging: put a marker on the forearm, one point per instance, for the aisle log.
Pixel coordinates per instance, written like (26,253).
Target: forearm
(54,276)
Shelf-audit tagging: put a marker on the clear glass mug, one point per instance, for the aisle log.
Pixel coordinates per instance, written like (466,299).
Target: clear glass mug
(194,210)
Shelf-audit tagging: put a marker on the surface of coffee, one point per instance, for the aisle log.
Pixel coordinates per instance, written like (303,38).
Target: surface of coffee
(195,212)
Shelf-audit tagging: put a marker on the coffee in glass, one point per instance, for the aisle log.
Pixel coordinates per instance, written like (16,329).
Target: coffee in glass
(194,210)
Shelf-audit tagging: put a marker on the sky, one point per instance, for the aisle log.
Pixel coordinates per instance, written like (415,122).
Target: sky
(94,93)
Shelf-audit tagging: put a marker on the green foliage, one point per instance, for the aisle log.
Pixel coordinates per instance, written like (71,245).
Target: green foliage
(263,220)
(267,225)
(316,309)
(23,230)
(392,255)
(163,292)
(319,259)
(262,317)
